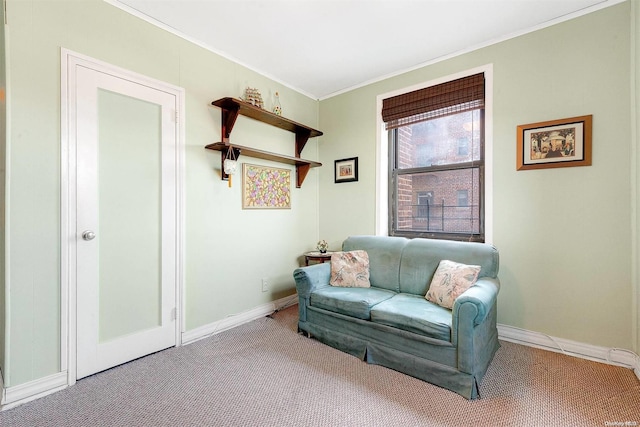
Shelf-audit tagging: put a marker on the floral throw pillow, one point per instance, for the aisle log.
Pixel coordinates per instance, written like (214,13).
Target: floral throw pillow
(450,280)
(350,269)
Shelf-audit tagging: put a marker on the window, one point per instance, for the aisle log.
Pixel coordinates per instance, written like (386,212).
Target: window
(425,200)
(463,198)
(463,146)
(436,160)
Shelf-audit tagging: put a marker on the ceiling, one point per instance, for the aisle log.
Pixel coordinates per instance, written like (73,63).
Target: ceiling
(325,47)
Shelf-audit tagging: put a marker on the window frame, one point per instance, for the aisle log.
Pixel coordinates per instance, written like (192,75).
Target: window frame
(394,172)
(381,199)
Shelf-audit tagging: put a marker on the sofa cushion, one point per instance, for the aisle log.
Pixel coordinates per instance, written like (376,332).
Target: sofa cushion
(415,314)
(450,281)
(356,302)
(350,269)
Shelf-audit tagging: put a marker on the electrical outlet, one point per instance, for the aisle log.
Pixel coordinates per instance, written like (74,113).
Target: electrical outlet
(265,285)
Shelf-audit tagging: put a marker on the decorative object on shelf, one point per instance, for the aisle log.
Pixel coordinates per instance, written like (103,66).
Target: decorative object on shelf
(253,97)
(554,144)
(265,187)
(230,163)
(322,246)
(277,108)
(346,170)
(231,108)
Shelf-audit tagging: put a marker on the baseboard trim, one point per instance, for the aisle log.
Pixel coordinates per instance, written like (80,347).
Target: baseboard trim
(11,397)
(23,393)
(611,356)
(238,319)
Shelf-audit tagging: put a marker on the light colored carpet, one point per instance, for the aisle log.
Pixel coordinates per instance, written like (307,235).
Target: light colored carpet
(265,374)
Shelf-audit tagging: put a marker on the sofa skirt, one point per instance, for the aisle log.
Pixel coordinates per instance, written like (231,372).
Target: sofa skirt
(425,358)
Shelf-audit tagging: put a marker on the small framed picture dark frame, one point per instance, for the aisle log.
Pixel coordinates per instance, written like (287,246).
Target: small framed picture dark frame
(346,170)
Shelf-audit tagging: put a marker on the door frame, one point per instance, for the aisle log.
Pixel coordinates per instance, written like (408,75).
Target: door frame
(69,61)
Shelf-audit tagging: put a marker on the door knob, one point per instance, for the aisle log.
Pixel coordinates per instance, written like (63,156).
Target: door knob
(88,235)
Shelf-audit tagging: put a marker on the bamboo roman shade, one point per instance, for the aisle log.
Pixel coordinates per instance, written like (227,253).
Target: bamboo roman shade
(452,97)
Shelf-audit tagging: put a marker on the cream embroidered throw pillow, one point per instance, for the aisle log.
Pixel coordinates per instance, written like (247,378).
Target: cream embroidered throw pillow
(450,280)
(350,269)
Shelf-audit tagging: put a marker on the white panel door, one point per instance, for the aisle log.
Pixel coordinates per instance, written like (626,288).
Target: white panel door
(125,220)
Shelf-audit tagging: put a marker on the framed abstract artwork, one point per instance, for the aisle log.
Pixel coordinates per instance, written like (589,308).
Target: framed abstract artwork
(265,187)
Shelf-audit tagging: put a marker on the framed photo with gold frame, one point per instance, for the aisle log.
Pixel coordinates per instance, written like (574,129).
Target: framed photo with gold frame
(554,144)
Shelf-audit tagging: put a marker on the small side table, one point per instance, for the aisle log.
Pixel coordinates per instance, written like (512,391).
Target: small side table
(317,256)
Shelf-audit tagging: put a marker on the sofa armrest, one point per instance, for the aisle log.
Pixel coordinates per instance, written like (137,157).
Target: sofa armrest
(307,280)
(473,328)
(483,295)
(311,278)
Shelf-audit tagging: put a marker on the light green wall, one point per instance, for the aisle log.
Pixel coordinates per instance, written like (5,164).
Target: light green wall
(564,234)
(227,250)
(3,158)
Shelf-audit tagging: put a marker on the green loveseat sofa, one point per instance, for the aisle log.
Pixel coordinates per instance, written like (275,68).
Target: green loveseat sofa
(392,324)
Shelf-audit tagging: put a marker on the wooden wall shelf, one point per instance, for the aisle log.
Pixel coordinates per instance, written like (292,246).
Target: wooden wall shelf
(232,107)
(302,165)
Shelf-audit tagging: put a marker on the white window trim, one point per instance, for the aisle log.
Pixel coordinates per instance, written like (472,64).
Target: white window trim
(382,150)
